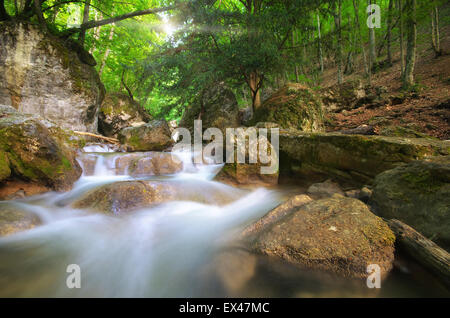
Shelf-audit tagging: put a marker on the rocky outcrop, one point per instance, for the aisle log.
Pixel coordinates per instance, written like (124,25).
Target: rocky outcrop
(216,106)
(293,106)
(119,111)
(153,136)
(343,96)
(126,196)
(419,195)
(324,189)
(31,152)
(335,234)
(13,220)
(352,158)
(44,75)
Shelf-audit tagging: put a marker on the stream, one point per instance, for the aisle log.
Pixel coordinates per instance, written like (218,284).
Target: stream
(167,250)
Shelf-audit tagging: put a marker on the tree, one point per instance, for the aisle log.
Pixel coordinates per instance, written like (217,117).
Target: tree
(411,24)
(435,41)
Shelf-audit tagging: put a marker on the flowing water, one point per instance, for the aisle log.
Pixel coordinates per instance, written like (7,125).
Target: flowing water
(168,250)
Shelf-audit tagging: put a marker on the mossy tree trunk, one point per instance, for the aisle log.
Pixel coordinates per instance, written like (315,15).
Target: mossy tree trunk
(408,78)
(3,14)
(389,32)
(338,21)
(435,41)
(82,35)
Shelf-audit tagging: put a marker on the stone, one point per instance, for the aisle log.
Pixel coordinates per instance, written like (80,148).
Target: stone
(42,74)
(119,111)
(13,220)
(335,234)
(417,194)
(292,107)
(152,136)
(324,189)
(344,96)
(216,106)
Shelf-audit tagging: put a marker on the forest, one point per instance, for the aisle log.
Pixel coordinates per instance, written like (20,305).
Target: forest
(334,116)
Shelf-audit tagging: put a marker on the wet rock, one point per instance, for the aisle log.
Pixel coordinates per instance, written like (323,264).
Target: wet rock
(216,106)
(336,234)
(126,196)
(17,189)
(293,106)
(119,111)
(148,164)
(355,159)
(33,153)
(324,189)
(417,194)
(13,220)
(42,74)
(153,136)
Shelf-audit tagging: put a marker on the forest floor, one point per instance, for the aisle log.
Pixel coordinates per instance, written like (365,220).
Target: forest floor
(428,111)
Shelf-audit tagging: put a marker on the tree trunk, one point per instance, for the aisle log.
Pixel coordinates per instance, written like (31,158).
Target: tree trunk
(295,65)
(40,16)
(363,50)
(254,84)
(424,251)
(338,21)
(320,44)
(389,29)
(408,79)
(3,14)
(402,53)
(372,45)
(435,30)
(107,51)
(82,35)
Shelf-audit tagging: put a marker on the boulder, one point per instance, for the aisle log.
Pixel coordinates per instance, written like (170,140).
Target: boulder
(417,194)
(123,197)
(355,159)
(13,220)
(216,106)
(324,189)
(148,164)
(42,74)
(293,106)
(335,234)
(119,111)
(342,96)
(153,136)
(30,152)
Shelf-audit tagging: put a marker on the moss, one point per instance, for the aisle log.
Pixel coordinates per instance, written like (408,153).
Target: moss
(5,171)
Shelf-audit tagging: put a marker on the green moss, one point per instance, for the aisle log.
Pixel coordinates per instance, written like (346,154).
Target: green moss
(5,171)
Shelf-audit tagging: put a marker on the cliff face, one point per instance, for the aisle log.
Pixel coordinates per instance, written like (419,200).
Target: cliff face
(39,74)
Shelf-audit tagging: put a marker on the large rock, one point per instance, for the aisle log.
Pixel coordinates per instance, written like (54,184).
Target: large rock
(216,106)
(351,158)
(119,111)
(126,196)
(42,74)
(343,96)
(13,220)
(153,136)
(335,234)
(30,152)
(293,106)
(419,195)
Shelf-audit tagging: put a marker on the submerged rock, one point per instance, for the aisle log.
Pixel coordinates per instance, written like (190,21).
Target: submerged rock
(119,111)
(419,195)
(336,234)
(351,158)
(44,75)
(31,152)
(153,136)
(293,106)
(13,220)
(216,106)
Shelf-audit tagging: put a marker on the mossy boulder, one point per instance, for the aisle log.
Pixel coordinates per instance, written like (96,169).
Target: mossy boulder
(119,111)
(336,234)
(153,136)
(418,194)
(355,159)
(13,220)
(293,106)
(216,106)
(31,153)
(406,132)
(45,75)
(342,96)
